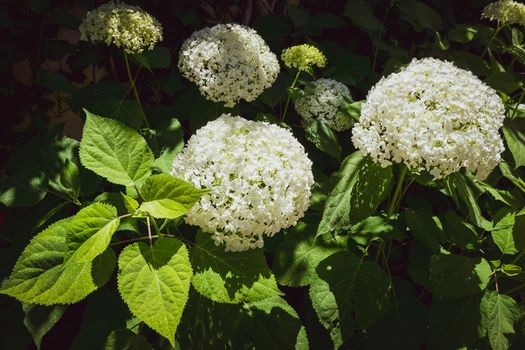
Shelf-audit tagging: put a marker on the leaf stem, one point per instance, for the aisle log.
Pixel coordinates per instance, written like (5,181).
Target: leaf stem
(396,198)
(149,231)
(288,98)
(487,48)
(136,239)
(135,92)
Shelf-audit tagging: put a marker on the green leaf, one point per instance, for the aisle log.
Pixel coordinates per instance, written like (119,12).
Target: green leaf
(503,81)
(463,189)
(359,286)
(323,138)
(325,306)
(499,313)
(425,227)
(511,269)
(166,196)
(69,180)
(159,57)
(55,81)
(172,140)
(154,281)
(503,234)
(124,339)
(420,15)
(353,109)
(230,277)
(454,323)
(23,190)
(298,256)
(114,151)
(457,276)
(44,275)
(90,232)
(40,319)
(362,15)
(361,185)
(514,132)
(129,203)
(298,15)
(462,33)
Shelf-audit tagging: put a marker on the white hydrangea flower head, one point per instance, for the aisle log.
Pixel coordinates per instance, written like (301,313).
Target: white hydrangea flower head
(258,175)
(505,12)
(122,25)
(432,116)
(228,62)
(324,99)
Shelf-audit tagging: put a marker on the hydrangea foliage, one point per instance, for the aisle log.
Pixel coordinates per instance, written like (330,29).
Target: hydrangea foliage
(258,175)
(432,116)
(324,99)
(229,63)
(122,25)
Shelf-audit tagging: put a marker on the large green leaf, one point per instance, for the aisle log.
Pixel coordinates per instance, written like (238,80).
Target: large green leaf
(425,227)
(323,138)
(499,313)
(40,319)
(514,132)
(503,234)
(166,196)
(360,187)
(154,281)
(359,286)
(46,274)
(114,151)
(456,276)
(298,255)
(230,277)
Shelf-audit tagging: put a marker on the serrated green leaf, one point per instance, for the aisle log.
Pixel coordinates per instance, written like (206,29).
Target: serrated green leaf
(503,234)
(40,319)
(230,277)
(44,275)
(464,190)
(124,339)
(514,133)
(359,286)
(360,187)
(69,180)
(114,151)
(129,203)
(154,281)
(325,306)
(166,196)
(499,313)
(298,256)
(90,232)
(511,269)
(324,138)
(456,276)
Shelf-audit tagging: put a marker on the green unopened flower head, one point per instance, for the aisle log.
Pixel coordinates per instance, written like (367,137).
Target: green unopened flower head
(126,26)
(303,57)
(505,12)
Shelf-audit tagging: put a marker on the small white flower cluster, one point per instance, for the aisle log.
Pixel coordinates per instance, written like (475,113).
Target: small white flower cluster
(432,116)
(324,99)
(505,12)
(126,26)
(228,62)
(259,178)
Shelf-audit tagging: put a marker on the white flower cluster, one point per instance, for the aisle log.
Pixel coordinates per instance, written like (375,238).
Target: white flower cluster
(432,116)
(126,26)
(324,99)
(505,12)
(228,62)
(259,178)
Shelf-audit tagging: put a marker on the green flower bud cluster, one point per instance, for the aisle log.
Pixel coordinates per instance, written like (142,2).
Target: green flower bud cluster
(303,57)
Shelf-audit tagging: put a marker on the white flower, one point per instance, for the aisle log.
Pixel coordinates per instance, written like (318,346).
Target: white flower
(259,178)
(432,116)
(505,12)
(126,26)
(228,62)
(323,100)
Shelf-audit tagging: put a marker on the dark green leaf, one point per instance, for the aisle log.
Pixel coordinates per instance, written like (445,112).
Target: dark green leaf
(40,319)
(323,138)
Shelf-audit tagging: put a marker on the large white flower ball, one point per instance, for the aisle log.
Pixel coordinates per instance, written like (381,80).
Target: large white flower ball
(228,62)
(324,99)
(432,116)
(259,178)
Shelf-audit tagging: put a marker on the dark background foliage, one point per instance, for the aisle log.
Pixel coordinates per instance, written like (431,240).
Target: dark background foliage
(48,76)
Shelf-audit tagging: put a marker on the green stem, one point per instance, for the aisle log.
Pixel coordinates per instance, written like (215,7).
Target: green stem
(288,99)
(520,99)
(156,227)
(498,28)
(143,238)
(135,92)
(396,198)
